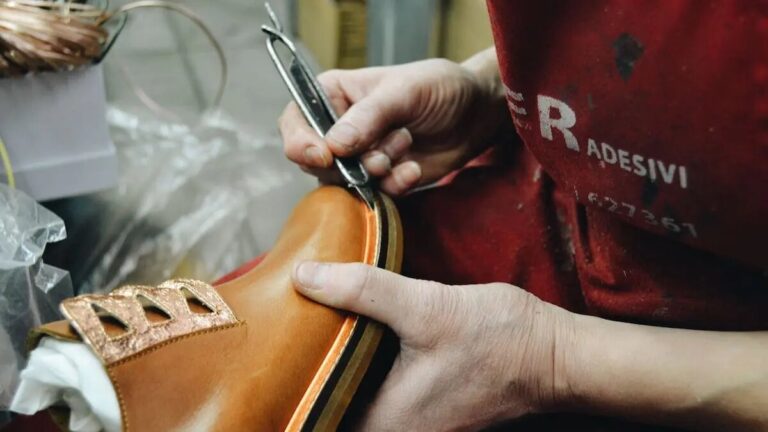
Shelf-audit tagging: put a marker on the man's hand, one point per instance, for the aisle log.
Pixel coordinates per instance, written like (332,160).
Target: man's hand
(470,355)
(412,124)
(474,355)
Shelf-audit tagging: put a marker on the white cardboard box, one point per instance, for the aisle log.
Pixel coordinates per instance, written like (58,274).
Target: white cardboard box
(56,133)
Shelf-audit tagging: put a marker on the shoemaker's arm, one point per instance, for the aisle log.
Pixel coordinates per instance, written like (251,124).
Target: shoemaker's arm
(485,66)
(704,380)
(472,356)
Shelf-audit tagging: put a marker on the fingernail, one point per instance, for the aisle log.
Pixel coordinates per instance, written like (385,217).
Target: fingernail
(315,156)
(377,161)
(408,173)
(344,135)
(308,275)
(396,143)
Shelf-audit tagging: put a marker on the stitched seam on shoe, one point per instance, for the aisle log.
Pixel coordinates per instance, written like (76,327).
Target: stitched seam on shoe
(174,340)
(120,399)
(110,368)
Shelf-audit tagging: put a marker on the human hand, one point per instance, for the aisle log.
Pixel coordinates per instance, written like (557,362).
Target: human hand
(412,124)
(470,356)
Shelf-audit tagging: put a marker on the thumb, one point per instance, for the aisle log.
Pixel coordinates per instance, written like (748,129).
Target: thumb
(394,300)
(368,121)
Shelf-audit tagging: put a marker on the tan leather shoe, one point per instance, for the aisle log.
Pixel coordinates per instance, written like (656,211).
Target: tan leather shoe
(252,354)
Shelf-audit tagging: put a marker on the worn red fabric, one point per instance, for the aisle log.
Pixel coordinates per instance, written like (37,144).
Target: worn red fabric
(656,111)
(637,189)
(569,215)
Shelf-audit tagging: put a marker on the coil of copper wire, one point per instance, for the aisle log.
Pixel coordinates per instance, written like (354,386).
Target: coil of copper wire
(60,35)
(43,35)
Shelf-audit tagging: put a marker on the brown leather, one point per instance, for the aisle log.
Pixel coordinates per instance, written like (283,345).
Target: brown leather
(253,375)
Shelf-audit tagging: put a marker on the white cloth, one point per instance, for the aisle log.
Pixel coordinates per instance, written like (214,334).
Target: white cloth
(68,372)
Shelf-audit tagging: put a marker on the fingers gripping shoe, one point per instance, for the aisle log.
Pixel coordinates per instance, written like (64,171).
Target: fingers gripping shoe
(250,354)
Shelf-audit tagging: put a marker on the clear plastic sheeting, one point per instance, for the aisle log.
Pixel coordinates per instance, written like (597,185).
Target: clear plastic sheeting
(30,291)
(192,201)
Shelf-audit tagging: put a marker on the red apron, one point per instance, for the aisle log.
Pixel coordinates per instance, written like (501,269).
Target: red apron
(637,189)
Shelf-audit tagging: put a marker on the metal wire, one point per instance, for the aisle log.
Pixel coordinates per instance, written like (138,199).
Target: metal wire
(189,14)
(7,165)
(40,35)
(49,35)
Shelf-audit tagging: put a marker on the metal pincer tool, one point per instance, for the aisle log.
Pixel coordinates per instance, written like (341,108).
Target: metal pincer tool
(313,102)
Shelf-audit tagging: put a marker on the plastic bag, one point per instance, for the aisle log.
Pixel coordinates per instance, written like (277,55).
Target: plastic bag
(30,291)
(192,201)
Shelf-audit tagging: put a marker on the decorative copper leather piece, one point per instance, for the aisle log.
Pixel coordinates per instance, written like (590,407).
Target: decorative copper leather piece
(127,305)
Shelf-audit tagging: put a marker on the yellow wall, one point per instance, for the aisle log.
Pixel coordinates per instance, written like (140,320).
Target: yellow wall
(333,31)
(466,29)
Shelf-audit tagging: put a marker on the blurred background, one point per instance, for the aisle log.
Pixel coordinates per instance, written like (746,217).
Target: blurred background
(168,57)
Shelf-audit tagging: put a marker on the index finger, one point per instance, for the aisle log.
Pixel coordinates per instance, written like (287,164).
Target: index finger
(301,143)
